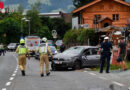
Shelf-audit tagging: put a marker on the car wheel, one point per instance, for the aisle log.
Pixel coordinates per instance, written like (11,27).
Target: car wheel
(77,65)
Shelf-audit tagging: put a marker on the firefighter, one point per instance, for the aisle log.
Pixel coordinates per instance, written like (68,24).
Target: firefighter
(22,51)
(44,50)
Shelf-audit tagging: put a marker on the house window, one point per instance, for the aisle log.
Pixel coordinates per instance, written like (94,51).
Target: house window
(96,19)
(115,17)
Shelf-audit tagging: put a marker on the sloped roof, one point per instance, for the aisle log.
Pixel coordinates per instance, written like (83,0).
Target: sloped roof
(96,1)
(104,19)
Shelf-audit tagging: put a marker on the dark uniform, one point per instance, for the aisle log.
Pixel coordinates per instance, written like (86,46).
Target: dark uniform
(105,54)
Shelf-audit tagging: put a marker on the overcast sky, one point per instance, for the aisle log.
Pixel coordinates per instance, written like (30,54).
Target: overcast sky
(47,5)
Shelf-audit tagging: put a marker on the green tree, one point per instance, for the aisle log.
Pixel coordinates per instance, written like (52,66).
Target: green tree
(60,26)
(44,32)
(20,10)
(33,16)
(79,3)
(11,27)
(35,21)
(81,36)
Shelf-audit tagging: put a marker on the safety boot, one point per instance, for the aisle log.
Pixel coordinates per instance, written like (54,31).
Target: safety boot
(23,73)
(42,75)
(48,74)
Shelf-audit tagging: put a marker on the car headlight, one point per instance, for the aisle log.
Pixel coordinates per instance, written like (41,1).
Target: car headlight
(56,52)
(72,58)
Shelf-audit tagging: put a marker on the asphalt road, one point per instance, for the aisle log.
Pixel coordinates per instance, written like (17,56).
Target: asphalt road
(11,79)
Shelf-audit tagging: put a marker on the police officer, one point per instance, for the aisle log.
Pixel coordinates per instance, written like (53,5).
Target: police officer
(44,50)
(22,50)
(106,47)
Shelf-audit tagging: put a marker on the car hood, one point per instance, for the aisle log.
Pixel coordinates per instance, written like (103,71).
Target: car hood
(64,56)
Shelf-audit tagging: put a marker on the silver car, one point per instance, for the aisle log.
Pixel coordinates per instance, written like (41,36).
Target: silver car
(76,57)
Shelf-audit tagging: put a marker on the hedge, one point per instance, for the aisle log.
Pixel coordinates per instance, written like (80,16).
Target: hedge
(80,37)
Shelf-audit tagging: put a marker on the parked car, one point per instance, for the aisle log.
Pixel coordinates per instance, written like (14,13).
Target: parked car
(59,42)
(53,50)
(76,57)
(12,46)
(50,43)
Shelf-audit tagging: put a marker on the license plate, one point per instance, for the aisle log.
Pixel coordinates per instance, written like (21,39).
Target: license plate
(58,62)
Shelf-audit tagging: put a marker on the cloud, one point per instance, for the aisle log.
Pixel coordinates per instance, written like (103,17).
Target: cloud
(70,7)
(45,2)
(57,10)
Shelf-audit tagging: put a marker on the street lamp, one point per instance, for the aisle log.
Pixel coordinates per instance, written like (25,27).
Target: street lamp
(22,25)
(28,26)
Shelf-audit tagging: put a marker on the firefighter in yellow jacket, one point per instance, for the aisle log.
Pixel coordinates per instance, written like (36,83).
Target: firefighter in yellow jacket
(44,50)
(22,51)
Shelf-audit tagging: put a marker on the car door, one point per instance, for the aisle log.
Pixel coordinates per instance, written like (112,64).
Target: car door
(90,57)
(86,57)
(94,57)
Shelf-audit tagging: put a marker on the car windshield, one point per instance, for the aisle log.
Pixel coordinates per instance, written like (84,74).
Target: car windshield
(59,42)
(49,41)
(12,44)
(73,50)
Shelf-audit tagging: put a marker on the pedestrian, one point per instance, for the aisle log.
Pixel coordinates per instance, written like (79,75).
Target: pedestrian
(115,55)
(0,49)
(105,54)
(22,51)
(128,51)
(62,48)
(44,50)
(122,53)
(3,49)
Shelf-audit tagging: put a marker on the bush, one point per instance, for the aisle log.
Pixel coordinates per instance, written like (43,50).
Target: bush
(81,37)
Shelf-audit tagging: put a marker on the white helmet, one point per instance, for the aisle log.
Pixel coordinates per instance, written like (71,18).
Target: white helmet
(106,38)
(44,39)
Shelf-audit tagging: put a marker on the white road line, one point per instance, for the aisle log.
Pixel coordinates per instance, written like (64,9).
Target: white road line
(11,78)
(13,75)
(103,78)
(4,89)
(92,73)
(15,72)
(85,71)
(119,84)
(128,88)
(16,69)
(8,83)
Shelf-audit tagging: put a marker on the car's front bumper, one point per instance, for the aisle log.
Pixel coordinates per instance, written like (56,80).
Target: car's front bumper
(62,64)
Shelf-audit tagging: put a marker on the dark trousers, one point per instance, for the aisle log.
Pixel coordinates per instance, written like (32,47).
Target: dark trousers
(3,52)
(105,56)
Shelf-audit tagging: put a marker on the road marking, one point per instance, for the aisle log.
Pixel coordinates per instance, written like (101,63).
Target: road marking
(119,84)
(85,71)
(4,89)
(92,73)
(15,72)
(16,69)
(14,75)
(8,83)
(103,78)
(128,88)
(11,78)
